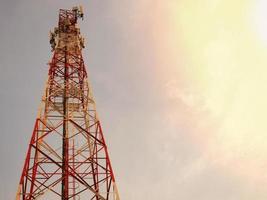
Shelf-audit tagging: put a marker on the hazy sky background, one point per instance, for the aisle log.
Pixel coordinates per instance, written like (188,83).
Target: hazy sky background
(180,87)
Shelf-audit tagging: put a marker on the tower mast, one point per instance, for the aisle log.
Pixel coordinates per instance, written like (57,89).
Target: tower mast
(67,157)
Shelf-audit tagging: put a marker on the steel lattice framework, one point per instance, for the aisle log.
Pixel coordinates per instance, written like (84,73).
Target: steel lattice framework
(67,156)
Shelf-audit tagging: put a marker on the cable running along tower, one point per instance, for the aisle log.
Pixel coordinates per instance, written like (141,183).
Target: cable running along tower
(67,158)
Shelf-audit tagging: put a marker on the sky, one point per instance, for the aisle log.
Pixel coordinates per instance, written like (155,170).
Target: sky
(180,88)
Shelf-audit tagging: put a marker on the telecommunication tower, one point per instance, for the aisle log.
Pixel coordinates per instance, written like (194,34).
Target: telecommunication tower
(67,157)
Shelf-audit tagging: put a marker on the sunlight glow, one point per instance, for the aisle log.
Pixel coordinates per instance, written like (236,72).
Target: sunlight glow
(259,16)
(227,67)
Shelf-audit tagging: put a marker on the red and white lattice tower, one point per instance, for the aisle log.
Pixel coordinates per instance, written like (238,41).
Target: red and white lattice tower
(67,158)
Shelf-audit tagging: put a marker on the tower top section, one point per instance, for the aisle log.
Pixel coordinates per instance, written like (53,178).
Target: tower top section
(66,36)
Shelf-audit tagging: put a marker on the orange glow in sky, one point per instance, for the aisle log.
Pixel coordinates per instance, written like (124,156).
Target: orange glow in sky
(225,46)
